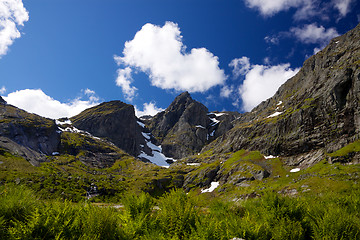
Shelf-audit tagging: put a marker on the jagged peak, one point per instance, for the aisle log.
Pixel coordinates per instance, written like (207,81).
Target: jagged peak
(2,100)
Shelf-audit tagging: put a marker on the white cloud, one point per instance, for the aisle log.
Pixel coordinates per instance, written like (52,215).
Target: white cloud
(160,53)
(124,81)
(226,91)
(12,15)
(343,6)
(36,101)
(91,95)
(261,82)
(312,33)
(271,7)
(240,66)
(148,109)
(3,90)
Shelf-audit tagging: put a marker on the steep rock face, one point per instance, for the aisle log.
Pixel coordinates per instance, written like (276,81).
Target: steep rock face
(176,127)
(114,121)
(2,101)
(316,111)
(29,131)
(186,126)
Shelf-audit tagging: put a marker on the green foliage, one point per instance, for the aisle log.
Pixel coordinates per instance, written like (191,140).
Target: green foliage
(177,215)
(350,148)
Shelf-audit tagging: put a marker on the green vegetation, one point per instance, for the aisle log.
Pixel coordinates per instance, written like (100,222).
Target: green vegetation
(348,149)
(177,215)
(137,200)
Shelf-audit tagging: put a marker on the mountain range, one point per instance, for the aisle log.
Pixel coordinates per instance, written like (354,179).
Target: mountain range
(313,117)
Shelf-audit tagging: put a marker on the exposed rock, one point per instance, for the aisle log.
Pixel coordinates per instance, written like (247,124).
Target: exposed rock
(186,126)
(318,109)
(34,157)
(2,101)
(114,121)
(29,130)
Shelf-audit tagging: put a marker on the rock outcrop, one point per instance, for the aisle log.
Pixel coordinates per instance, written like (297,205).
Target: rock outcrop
(186,126)
(29,130)
(315,112)
(2,101)
(114,121)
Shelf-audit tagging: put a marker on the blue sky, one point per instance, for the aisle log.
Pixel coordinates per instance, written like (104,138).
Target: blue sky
(59,57)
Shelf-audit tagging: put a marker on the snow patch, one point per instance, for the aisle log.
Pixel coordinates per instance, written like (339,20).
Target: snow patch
(58,122)
(55,153)
(274,114)
(193,164)
(146,135)
(279,103)
(212,133)
(141,124)
(270,156)
(199,126)
(156,157)
(295,170)
(217,114)
(213,186)
(214,121)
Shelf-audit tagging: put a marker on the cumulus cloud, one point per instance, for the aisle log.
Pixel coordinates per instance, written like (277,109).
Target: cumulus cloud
(269,8)
(240,66)
(3,90)
(148,109)
(160,53)
(124,81)
(261,82)
(305,9)
(312,33)
(12,15)
(36,101)
(226,91)
(343,6)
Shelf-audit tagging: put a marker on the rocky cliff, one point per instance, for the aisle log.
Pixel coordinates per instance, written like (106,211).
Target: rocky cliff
(114,121)
(314,113)
(26,134)
(186,126)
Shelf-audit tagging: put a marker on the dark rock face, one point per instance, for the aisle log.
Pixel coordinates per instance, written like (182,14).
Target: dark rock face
(34,157)
(2,101)
(318,109)
(29,130)
(114,121)
(186,126)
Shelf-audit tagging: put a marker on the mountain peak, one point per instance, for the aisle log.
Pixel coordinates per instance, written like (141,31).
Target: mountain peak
(2,100)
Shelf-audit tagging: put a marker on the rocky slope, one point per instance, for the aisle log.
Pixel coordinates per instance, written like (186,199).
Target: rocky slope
(186,126)
(26,134)
(314,113)
(114,121)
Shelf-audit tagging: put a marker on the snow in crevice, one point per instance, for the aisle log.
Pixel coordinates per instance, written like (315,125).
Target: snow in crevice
(213,186)
(214,121)
(216,114)
(141,124)
(270,157)
(279,103)
(274,114)
(156,157)
(212,133)
(199,126)
(146,135)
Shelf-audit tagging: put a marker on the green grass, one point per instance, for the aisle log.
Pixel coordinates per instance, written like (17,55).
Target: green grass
(178,215)
(350,148)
